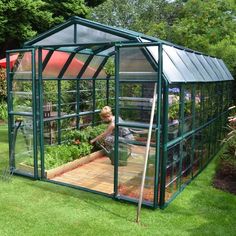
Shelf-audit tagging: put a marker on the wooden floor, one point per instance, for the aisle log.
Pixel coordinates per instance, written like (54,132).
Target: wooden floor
(99,174)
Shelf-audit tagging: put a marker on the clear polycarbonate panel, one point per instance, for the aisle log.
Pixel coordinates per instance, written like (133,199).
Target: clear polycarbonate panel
(213,67)
(198,105)
(199,66)
(170,71)
(76,65)
(174,112)
(64,36)
(135,64)
(68,97)
(135,101)
(187,155)
(86,95)
(190,65)
(89,35)
(224,74)
(101,93)
(92,67)
(207,67)
(22,65)
(24,157)
(50,131)
(173,171)
(152,49)
(230,77)
(107,51)
(130,169)
(55,63)
(179,64)
(50,99)
(22,96)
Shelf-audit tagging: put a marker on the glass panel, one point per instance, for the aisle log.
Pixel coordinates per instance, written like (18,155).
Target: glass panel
(90,35)
(174,112)
(66,126)
(173,171)
(75,67)
(101,91)
(187,108)
(214,68)
(50,99)
(197,153)
(207,67)
(136,101)
(68,97)
(131,161)
(86,120)
(230,77)
(199,66)
(170,71)
(22,96)
(179,64)
(223,73)
(86,95)
(92,68)
(50,132)
(55,63)
(134,65)
(24,159)
(21,65)
(198,106)
(187,160)
(64,36)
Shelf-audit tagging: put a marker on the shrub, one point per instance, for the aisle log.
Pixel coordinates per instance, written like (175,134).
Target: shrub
(3,85)
(3,111)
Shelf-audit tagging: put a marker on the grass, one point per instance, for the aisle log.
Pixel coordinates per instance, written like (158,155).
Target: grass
(38,208)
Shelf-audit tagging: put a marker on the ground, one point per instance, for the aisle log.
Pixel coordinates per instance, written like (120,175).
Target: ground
(225,178)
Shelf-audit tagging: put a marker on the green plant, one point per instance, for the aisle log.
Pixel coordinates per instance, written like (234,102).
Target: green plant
(3,85)
(83,135)
(174,111)
(3,111)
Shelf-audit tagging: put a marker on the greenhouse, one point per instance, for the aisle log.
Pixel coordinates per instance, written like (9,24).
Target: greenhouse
(173,100)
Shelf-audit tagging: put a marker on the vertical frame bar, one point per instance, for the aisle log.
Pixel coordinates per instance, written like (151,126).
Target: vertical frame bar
(164,144)
(34,99)
(117,69)
(9,108)
(158,122)
(193,97)
(41,123)
(59,100)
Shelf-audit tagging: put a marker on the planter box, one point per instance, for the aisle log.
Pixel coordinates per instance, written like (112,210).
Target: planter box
(49,174)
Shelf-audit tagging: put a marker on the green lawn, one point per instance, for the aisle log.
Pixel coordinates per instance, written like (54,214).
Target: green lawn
(38,208)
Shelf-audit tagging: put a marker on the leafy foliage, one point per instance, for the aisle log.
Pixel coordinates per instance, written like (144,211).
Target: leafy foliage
(20,20)
(61,154)
(77,145)
(84,135)
(3,85)
(206,26)
(3,111)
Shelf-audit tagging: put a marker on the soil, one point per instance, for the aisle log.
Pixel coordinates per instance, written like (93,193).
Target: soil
(225,178)
(2,122)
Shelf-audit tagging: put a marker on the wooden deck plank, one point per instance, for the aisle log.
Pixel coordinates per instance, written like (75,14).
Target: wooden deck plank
(99,174)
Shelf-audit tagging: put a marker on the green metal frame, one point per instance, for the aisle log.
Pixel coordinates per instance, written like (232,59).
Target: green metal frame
(208,122)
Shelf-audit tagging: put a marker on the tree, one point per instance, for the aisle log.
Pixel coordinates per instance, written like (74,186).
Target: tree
(94,3)
(21,20)
(135,14)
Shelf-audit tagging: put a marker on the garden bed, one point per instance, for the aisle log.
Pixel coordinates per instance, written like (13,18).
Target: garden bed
(225,178)
(49,174)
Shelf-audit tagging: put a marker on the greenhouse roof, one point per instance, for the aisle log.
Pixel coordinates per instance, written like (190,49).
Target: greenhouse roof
(179,64)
